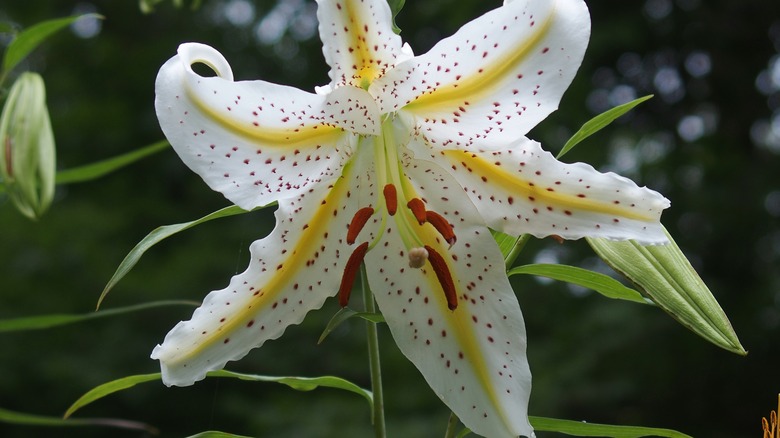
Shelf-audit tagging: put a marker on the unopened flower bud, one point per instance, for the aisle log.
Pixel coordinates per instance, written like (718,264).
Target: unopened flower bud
(27,161)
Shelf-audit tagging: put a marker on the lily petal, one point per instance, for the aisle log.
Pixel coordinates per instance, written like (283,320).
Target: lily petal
(495,78)
(524,189)
(473,357)
(254,141)
(358,40)
(291,271)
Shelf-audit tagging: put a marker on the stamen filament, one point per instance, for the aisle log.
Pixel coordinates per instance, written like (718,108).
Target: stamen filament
(442,272)
(357,224)
(350,272)
(442,226)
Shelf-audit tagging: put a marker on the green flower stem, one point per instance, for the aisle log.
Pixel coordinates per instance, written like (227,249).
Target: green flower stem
(515,251)
(373,359)
(452,426)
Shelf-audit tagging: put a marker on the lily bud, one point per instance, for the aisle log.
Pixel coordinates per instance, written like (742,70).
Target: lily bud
(27,161)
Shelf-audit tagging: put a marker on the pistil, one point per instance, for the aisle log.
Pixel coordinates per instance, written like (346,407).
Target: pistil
(417,257)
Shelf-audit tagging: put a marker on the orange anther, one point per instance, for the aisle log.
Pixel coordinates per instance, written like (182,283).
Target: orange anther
(350,272)
(391,198)
(442,226)
(418,209)
(442,272)
(357,224)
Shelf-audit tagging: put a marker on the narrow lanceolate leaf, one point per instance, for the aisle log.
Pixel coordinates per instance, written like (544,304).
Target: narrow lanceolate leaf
(109,388)
(581,428)
(344,314)
(297,383)
(101,168)
(301,383)
(25,419)
(216,434)
(155,237)
(49,321)
(599,122)
(609,287)
(29,39)
(667,277)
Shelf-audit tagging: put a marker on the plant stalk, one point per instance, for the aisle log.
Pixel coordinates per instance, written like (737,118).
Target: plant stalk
(515,251)
(373,358)
(452,426)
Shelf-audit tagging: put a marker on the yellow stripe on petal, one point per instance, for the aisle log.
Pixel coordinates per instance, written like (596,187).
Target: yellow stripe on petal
(266,136)
(308,241)
(460,319)
(526,189)
(445,296)
(358,40)
(364,67)
(486,79)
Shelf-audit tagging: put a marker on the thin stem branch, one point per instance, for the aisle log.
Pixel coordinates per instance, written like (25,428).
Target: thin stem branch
(452,426)
(373,359)
(515,251)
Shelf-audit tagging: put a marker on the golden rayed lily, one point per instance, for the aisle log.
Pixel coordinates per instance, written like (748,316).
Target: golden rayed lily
(401,163)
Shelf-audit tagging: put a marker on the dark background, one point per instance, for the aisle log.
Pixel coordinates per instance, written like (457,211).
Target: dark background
(709,141)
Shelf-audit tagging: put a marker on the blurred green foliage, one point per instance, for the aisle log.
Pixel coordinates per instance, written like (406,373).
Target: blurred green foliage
(709,141)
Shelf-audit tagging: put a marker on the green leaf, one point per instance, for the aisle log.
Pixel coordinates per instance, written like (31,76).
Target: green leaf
(96,170)
(48,321)
(13,417)
(599,122)
(667,277)
(302,383)
(297,383)
(156,236)
(395,8)
(216,434)
(603,284)
(27,40)
(109,388)
(344,314)
(579,428)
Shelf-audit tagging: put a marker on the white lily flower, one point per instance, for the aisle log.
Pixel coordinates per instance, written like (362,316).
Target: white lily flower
(403,163)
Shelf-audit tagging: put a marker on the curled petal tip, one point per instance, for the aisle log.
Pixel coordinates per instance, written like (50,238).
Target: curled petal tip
(194,53)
